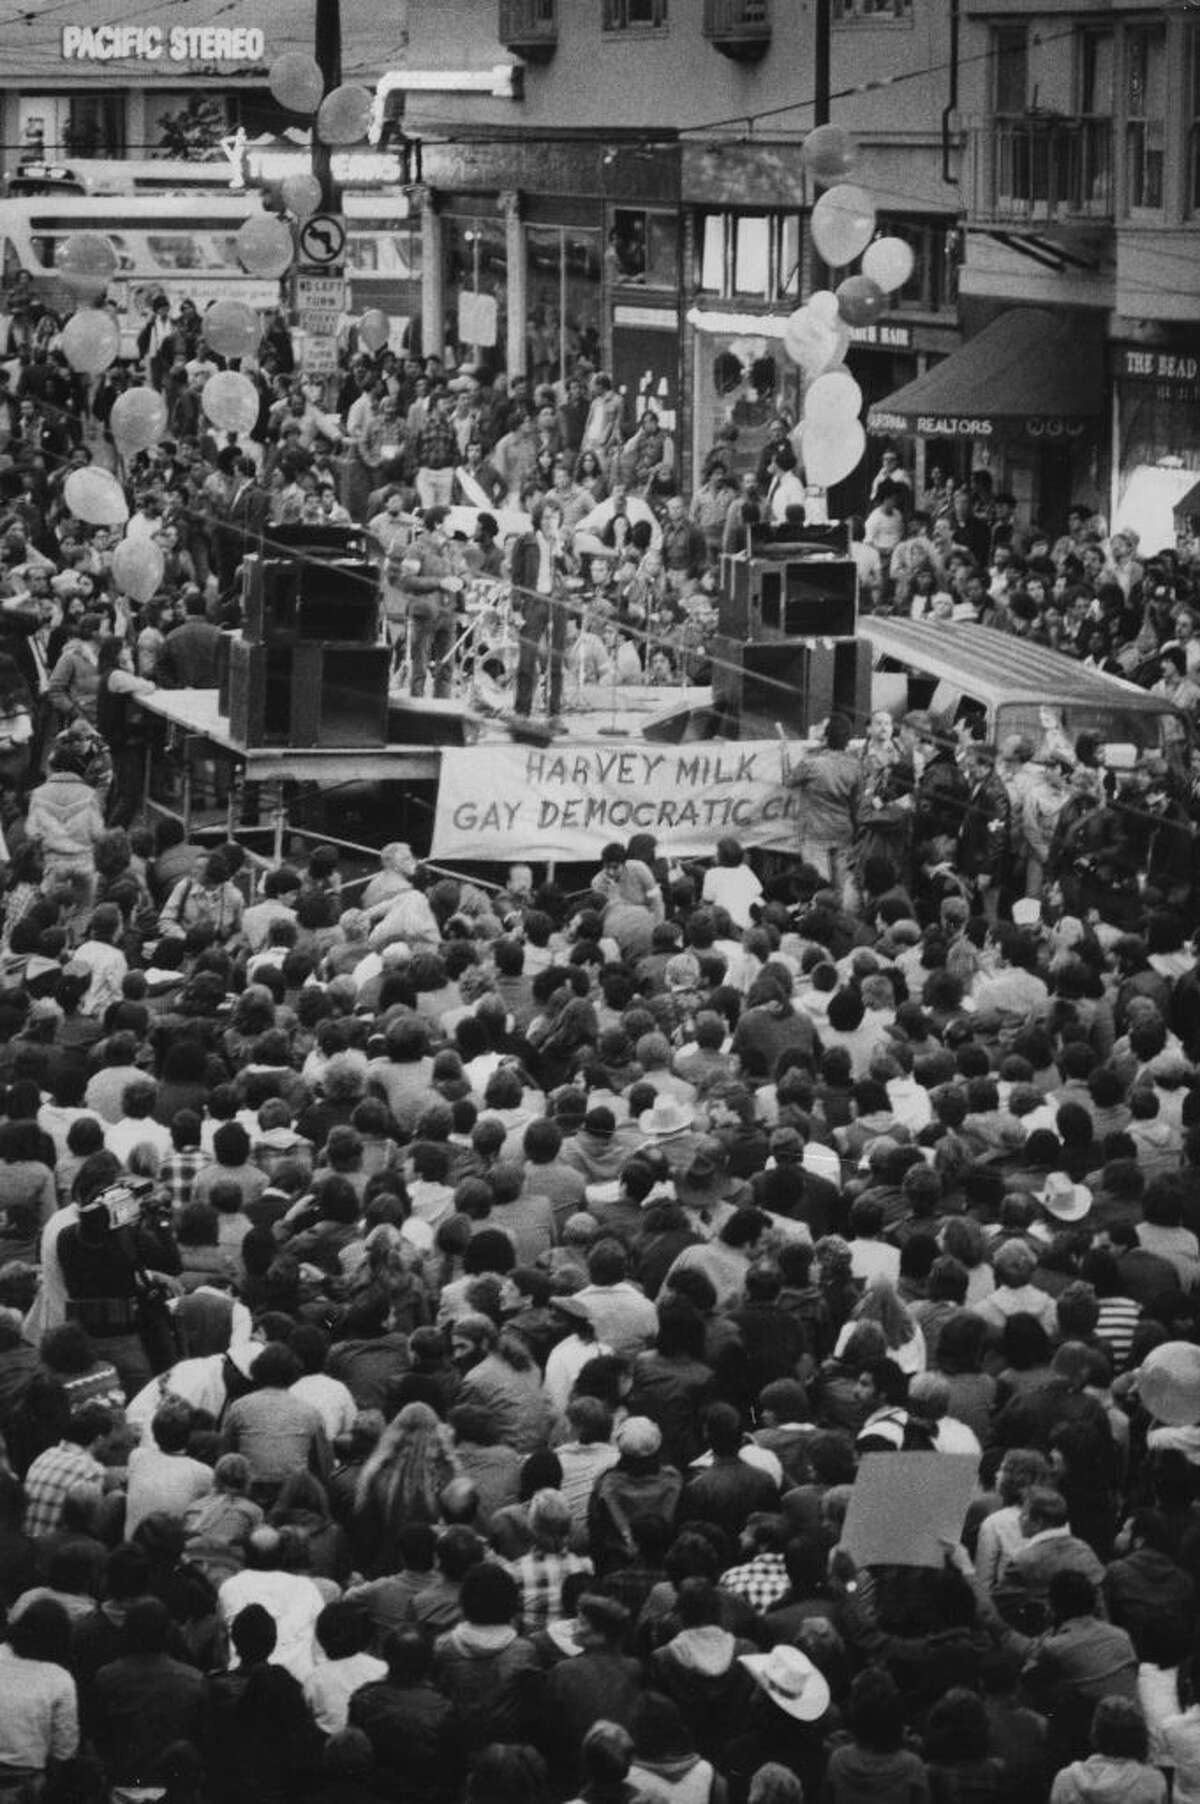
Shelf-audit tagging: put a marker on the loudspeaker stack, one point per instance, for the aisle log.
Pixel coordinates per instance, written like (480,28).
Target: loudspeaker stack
(307,669)
(786,649)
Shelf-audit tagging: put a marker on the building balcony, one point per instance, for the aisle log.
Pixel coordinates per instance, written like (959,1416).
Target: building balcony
(529,28)
(1033,172)
(738,28)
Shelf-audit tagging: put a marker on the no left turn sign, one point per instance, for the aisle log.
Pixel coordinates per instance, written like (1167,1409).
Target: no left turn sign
(323,239)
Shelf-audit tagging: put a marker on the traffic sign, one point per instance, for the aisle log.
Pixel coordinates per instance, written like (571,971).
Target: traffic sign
(320,301)
(323,239)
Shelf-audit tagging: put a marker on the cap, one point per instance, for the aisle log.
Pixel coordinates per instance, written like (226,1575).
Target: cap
(787,1143)
(601,1121)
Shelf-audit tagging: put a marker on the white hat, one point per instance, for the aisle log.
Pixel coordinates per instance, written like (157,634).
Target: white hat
(1064,1199)
(668,1117)
(790,1680)
(1026,911)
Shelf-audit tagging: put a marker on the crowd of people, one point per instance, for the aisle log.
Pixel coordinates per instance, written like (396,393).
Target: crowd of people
(441,1323)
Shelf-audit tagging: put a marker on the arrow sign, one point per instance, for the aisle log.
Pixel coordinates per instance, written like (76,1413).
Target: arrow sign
(323,239)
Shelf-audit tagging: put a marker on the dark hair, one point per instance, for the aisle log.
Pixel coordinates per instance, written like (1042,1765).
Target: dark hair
(876,1713)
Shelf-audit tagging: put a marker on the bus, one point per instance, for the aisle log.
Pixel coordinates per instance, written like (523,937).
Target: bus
(183,243)
(119,175)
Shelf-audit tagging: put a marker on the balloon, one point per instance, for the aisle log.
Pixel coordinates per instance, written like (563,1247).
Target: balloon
(95,497)
(823,306)
(138,568)
(832,398)
(889,262)
(831,453)
(87,261)
(860,300)
(841,333)
(301,194)
(296,82)
(842,222)
(232,329)
(90,341)
(230,401)
(807,341)
(345,115)
(374,329)
(829,154)
(1169,1383)
(264,246)
(138,419)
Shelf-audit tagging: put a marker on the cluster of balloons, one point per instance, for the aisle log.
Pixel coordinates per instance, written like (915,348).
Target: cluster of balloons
(343,115)
(830,440)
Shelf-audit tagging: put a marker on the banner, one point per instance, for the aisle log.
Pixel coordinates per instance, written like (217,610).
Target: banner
(502,802)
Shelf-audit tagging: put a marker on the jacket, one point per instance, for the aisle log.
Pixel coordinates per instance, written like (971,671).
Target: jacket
(65,816)
(491,1677)
(1099,1780)
(188,659)
(74,686)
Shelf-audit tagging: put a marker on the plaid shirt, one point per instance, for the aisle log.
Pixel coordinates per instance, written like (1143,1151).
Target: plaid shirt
(436,447)
(762,1582)
(179,1172)
(541,1576)
(48,1480)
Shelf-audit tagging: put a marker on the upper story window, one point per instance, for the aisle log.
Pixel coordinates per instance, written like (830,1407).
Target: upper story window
(750,256)
(1145,123)
(1097,74)
(643,248)
(872,12)
(1193,119)
(1010,70)
(635,15)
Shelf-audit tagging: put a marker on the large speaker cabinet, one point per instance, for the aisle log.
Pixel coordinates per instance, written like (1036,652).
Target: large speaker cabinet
(306,695)
(794,684)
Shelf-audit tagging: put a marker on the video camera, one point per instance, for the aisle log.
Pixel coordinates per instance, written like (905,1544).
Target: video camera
(124,1203)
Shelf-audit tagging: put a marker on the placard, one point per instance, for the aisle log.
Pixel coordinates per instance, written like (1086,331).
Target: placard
(904,1506)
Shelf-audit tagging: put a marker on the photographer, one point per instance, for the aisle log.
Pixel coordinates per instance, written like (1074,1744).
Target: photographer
(119,1261)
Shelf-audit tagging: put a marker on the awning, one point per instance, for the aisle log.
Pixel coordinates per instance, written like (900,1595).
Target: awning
(1030,373)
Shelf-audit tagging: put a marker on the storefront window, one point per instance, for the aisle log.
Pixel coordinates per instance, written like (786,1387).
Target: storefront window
(71,125)
(563,280)
(644,248)
(476,263)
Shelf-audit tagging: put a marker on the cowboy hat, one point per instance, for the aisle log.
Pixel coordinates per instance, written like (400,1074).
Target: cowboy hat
(790,1680)
(1063,1199)
(668,1117)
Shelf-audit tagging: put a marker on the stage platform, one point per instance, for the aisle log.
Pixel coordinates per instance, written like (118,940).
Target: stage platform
(590,717)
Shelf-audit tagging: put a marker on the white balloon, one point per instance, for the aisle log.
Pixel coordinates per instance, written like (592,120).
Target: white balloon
(842,222)
(808,341)
(264,246)
(823,305)
(96,497)
(889,263)
(833,397)
(231,401)
(831,454)
(90,341)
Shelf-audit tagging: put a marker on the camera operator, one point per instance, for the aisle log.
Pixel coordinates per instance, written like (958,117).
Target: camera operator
(118,1262)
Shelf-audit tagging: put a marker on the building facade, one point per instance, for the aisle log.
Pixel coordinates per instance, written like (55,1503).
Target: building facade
(641,196)
(1081,189)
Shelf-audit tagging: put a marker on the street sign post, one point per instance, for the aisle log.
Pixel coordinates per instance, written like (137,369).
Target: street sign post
(319,303)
